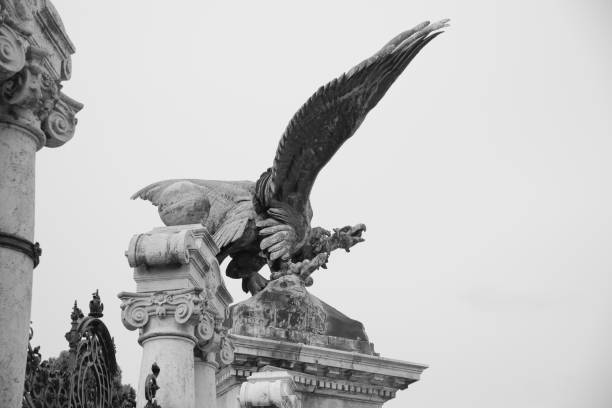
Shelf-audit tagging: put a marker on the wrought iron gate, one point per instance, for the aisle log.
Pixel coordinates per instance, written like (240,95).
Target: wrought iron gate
(86,376)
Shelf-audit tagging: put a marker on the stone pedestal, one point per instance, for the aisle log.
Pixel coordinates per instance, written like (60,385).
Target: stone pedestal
(34,58)
(179,307)
(327,355)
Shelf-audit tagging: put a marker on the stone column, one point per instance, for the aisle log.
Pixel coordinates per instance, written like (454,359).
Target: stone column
(214,350)
(205,394)
(34,58)
(179,309)
(167,322)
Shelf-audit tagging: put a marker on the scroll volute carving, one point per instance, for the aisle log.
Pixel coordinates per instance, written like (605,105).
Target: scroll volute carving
(12,53)
(29,84)
(60,124)
(226,351)
(212,337)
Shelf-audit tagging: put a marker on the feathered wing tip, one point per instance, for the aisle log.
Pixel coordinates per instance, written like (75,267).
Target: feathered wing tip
(149,192)
(335,111)
(424,30)
(420,30)
(143,192)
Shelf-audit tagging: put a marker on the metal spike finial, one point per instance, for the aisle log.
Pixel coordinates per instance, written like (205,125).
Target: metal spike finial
(76,312)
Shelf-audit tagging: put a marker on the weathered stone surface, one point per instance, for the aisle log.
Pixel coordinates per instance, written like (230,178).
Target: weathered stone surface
(166,322)
(34,58)
(324,377)
(205,382)
(179,309)
(269,389)
(172,258)
(286,311)
(327,354)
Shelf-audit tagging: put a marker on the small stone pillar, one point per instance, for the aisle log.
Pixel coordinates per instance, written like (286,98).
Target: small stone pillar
(167,323)
(213,351)
(34,58)
(205,371)
(180,304)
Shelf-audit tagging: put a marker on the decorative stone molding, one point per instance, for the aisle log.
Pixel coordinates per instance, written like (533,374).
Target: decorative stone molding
(138,308)
(169,258)
(160,248)
(205,330)
(269,389)
(319,373)
(179,307)
(60,123)
(213,341)
(34,58)
(12,53)
(226,351)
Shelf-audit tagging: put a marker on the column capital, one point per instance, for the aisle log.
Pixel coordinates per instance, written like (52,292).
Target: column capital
(213,343)
(165,313)
(34,59)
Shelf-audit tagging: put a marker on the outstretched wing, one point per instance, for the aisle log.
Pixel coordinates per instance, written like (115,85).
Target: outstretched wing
(332,115)
(223,207)
(179,202)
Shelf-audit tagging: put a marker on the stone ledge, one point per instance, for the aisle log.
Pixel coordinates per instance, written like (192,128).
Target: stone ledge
(319,371)
(257,348)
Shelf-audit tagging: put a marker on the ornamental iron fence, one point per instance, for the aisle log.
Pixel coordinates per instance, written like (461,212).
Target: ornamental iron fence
(85,376)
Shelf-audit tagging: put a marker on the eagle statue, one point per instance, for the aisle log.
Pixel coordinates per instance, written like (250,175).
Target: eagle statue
(268,221)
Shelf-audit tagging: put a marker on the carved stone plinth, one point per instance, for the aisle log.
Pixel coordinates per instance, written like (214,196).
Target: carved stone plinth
(327,354)
(34,59)
(179,309)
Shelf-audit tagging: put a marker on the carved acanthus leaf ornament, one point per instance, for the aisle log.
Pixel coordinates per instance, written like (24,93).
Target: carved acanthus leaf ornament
(31,71)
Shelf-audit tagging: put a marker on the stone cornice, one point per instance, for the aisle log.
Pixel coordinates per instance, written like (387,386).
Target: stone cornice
(34,58)
(324,363)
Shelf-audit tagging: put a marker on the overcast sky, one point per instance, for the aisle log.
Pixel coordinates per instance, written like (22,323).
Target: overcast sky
(483,176)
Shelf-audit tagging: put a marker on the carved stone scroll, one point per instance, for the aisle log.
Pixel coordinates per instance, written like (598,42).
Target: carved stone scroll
(12,53)
(269,389)
(137,308)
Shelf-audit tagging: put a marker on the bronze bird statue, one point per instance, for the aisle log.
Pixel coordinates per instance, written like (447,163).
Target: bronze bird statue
(268,221)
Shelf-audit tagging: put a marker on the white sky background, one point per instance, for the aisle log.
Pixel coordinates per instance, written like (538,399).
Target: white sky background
(483,176)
